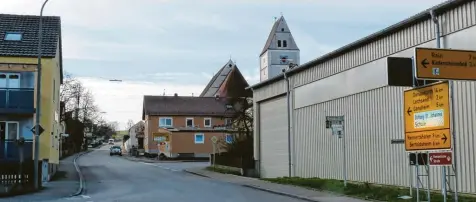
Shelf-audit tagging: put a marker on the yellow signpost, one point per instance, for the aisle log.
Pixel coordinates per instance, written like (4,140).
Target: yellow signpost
(443,64)
(427,117)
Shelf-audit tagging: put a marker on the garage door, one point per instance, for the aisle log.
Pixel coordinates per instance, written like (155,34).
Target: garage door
(273,138)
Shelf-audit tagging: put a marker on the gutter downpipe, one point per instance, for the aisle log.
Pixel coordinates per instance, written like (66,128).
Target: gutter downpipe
(289,121)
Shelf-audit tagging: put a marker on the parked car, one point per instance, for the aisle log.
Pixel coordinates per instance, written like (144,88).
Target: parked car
(115,150)
(111,141)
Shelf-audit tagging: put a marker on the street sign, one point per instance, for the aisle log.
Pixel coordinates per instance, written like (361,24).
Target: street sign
(427,117)
(441,159)
(214,139)
(41,130)
(439,64)
(397,141)
(337,129)
(422,159)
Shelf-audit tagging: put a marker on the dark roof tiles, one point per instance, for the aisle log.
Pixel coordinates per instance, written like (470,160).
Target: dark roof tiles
(28,26)
(184,105)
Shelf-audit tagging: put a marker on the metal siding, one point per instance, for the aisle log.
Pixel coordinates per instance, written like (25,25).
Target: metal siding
(271,90)
(366,140)
(465,129)
(419,33)
(274,139)
(370,156)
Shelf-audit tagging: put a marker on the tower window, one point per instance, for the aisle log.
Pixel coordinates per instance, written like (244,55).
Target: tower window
(282,29)
(279,43)
(285,43)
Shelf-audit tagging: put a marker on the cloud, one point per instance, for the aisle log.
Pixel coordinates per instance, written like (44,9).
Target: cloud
(123,100)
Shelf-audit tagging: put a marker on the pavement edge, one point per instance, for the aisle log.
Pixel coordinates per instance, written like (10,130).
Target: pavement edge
(261,189)
(195,173)
(280,193)
(81,180)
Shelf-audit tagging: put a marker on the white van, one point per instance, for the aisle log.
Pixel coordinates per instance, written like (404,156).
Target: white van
(111,141)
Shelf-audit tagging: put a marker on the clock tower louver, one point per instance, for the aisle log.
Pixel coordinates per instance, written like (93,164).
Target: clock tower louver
(280,50)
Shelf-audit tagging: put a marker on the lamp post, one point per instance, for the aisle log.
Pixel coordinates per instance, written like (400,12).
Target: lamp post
(38,99)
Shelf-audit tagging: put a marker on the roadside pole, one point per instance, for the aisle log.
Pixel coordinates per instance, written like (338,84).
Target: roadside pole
(214,142)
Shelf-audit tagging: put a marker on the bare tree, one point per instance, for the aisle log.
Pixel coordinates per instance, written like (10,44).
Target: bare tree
(114,125)
(129,124)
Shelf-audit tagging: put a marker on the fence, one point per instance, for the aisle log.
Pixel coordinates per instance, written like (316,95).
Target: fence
(15,176)
(232,160)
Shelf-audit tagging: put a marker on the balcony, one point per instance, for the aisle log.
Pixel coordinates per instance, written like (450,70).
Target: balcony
(17,101)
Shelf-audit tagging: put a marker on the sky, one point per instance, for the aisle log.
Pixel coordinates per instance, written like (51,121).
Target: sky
(175,46)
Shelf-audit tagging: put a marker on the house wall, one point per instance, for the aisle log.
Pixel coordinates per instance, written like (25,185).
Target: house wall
(49,139)
(373,115)
(152,125)
(184,142)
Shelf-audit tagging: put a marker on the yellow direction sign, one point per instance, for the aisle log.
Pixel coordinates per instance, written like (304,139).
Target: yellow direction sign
(441,64)
(428,140)
(427,117)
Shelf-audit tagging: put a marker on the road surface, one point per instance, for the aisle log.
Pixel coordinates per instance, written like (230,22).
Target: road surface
(117,179)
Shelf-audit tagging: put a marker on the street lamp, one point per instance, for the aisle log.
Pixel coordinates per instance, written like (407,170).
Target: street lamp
(38,99)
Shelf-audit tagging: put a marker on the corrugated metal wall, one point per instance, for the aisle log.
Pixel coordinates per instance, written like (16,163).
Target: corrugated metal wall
(374,117)
(455,20)
(370,124)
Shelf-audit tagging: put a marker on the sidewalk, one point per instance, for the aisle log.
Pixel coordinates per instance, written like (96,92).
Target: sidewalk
(64,184)
(286,190)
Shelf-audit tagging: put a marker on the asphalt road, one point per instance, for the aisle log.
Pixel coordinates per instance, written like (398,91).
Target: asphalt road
(117,179)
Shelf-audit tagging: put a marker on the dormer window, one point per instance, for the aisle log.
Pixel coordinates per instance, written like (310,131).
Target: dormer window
(279,43)
(13,36)
(285,43)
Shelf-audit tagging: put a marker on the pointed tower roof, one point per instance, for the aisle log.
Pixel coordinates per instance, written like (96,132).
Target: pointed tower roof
(217,80)
(280,26)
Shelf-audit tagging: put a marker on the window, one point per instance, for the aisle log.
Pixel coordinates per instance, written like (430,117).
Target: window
(165,122)
(189,122)
(285,43)
(229,138)
(199,138)
(282,29)
(207,122)
(279,43)
(228,122)
(13,36)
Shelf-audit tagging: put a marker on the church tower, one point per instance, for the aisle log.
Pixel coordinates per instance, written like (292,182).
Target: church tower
(279,51)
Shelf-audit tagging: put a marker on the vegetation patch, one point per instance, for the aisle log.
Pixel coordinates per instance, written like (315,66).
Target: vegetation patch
(363,190)
(223,170)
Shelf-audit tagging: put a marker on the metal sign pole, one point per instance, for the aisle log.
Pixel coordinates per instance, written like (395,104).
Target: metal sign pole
(428,176)
(214,154)
(345,160)
(417,178)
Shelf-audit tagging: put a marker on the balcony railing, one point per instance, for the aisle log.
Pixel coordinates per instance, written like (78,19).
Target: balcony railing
(17,101)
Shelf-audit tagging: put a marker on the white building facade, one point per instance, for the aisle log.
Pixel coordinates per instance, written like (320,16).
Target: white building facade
(352,82)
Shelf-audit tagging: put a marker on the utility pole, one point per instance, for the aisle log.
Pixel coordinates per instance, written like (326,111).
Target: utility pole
(38,101)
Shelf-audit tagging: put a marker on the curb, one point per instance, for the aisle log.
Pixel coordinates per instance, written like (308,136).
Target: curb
(81,180)
(197,174)
(280,193)
(259,188)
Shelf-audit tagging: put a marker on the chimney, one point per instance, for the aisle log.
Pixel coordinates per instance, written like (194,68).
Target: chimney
(175,94)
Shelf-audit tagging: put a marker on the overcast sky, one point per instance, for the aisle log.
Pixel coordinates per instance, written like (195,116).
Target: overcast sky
(178,45)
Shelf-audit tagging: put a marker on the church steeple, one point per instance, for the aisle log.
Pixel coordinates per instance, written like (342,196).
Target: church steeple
(280,50)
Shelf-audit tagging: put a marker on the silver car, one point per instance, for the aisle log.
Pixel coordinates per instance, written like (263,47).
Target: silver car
(115,150)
